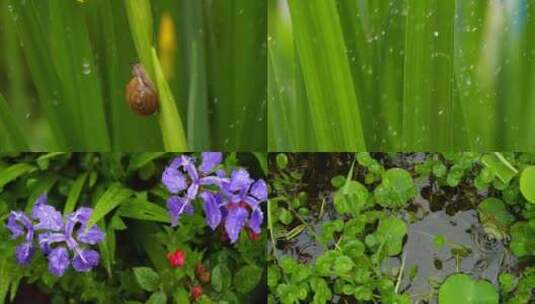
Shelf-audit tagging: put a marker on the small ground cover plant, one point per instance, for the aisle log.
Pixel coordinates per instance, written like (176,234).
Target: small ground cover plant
(401,228)
(132,228)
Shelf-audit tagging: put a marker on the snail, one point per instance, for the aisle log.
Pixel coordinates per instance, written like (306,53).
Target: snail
(140,93)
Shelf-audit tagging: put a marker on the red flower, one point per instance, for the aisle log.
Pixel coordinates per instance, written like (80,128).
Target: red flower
(196,292)
(177,258)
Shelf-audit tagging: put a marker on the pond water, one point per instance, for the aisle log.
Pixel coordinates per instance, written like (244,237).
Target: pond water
(436,211)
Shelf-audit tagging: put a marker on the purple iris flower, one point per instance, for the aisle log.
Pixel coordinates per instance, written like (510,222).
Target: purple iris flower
(57,236)
(183,177)
(19,224)
(239,204)
(47,218)
(232,201)
(76,237)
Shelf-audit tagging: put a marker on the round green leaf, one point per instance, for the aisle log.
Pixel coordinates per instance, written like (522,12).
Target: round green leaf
(396,189)
(351,198)
(221,278)
(391,231)
(494,217)
(247,278)
(343,264)
(461,288)
(527,184)
(147,278)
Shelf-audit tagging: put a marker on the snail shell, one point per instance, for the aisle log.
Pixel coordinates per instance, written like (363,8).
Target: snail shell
(140,93)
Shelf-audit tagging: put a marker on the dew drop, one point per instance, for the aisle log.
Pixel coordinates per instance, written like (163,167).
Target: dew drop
(86,67)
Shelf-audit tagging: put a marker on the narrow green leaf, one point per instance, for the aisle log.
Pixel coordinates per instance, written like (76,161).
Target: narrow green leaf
(43,184)
(7,122)
(139,160)
(78,74)
(5,278)
(141,25)
(329,86)
(428,86)
(13,172)
(113,197)
(173,134)
(197,119)
(74,193)
(141,209)
(32,34)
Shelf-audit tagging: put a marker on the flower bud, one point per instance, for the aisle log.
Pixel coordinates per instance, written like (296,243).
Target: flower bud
(177,258)
(196,292)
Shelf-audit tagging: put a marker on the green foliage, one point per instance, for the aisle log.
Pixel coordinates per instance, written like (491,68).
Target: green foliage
(390,234)
(494,217)
(408,75)
(147,278)
(351,198)
(396,189)
(461,288)
(66,65)
(519,290)
(129,204)
(247,278)
(527,183)
(523,239)
(349,245)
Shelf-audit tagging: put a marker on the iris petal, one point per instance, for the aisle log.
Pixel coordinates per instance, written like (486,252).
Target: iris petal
(85,260)
(58,261)
(210,160)
(211,210)
(234,222)
(24,253)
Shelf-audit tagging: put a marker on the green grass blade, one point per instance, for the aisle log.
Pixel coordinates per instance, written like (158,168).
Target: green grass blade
(327,76)
(141,25)
(141,209)
(428,86)
(78,74)
(113,197)
(16,136)
(197,119)
(238,65)
(174,137)
(32,35)
(74,193)
(11,173)
(117,54)
(13,62)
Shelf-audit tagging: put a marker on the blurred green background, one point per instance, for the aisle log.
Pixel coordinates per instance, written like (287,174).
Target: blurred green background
(64,66)
(393,75)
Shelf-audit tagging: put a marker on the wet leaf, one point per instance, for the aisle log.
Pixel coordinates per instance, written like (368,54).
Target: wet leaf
(527,183)
(461,288)
(247,278)
(391,232)
(147,278)
(351,198)
(396,188)
(494,217)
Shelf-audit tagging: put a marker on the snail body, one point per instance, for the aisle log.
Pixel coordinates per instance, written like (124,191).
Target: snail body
(141,96)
